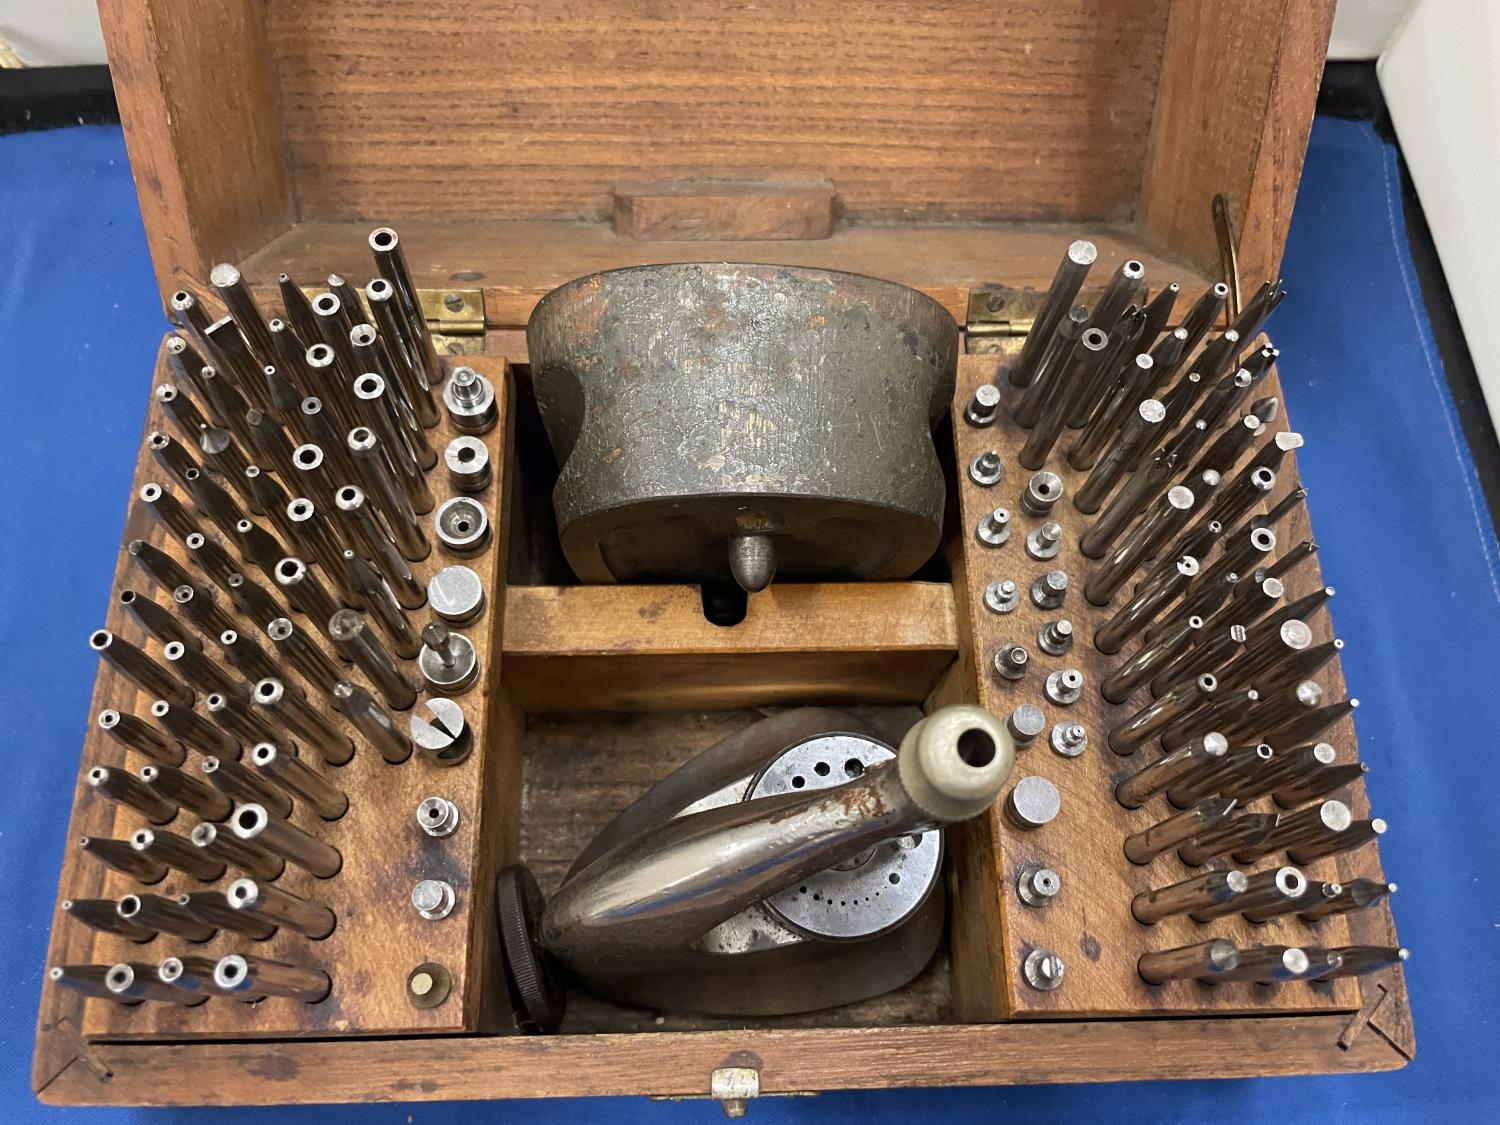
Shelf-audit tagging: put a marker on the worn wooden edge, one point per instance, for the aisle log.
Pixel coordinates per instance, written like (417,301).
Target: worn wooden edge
(199,104)
(680,1063)
(516,263)
(1233,77)
(632,648)
(710,210)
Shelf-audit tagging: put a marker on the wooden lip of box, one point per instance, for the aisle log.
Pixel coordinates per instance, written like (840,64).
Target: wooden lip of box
(946,146)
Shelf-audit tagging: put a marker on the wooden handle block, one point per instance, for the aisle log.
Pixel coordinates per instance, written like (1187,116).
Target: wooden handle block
(714,210)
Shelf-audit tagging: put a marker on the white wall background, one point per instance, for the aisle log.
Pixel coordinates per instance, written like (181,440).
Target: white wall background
(54,32)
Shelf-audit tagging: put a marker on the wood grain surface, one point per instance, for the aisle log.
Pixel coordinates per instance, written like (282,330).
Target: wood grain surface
(1089,923)
(485,109)
(379,937)
(619,648)
(679,1064)
(1234,107)
(198,100)
(718,210)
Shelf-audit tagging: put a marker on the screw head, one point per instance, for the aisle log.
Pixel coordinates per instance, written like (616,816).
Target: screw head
(1043,969)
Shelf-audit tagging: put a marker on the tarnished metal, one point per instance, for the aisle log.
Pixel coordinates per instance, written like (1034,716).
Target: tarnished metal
(745,882)
(700,410)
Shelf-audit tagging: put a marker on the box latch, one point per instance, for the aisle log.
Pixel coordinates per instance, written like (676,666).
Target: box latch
(733,1087)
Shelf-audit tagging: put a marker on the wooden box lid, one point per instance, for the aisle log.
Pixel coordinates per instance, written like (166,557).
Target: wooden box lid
(963,141)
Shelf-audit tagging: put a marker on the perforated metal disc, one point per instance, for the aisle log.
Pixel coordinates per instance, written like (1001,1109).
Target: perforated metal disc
(872,892)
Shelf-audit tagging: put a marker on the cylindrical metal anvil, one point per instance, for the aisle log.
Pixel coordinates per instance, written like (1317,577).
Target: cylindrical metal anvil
(718,420)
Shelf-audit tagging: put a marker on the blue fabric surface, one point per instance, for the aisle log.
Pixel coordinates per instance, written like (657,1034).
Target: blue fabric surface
(1403,531)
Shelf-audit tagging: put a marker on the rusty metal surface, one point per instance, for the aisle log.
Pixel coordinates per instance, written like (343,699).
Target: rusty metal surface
(775,415)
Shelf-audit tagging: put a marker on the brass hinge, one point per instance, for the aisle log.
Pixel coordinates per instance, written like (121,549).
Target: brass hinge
(453,312)
(998,312)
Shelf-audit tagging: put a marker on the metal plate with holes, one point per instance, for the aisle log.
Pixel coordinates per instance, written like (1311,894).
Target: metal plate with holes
(875,890)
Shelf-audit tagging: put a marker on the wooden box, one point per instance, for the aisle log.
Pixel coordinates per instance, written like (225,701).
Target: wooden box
(956,147)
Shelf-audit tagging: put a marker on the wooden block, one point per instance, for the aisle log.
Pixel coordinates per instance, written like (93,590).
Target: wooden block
(379,937)
(615,648)
(714,210)
(1089,923)
(1234,107)
(203,124)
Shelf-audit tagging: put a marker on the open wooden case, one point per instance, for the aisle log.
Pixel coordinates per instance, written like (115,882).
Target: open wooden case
(954,147)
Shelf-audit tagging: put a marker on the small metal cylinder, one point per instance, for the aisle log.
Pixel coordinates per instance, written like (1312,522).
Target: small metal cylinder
(382,603)
(245,654)
(298,648)
(1128,736)
(1209,889)
(134,982)
(1266,888)
(88,980)
(1207,961)
(369,536)
(283,707)
(193,729)
(310,919)
(157,620)
(437,816)
(1268,964)
(403,455)
(177,852)
(357,641)
(142,737)
(100,914)
(1149,659)
(197,604)
(377,727)
(448,661)
(470,400)
(389,498)
(206,676)
(253,822)
(1201,754)
(163,915)
(1144,846)
(186,791)
(124,787)
(223,845)
(191,975)
(139,668)
(213,907)
(244,786)
(119,855)
(1131,442)
(168,510)
(293,774)
(247,976)
(462,526)
(306,593)
(468,462)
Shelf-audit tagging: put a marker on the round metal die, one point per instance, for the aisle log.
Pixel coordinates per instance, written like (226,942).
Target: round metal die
(875,890)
